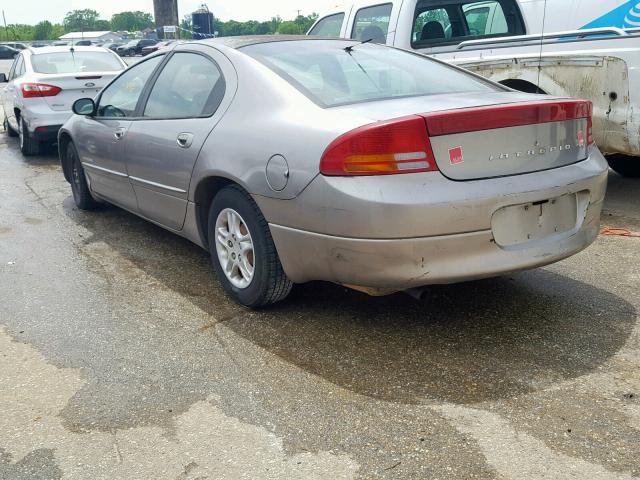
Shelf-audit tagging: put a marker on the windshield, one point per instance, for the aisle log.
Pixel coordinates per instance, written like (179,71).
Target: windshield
(67,62)
(331,74)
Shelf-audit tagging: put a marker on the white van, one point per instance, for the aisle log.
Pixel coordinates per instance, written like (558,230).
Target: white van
(576,48)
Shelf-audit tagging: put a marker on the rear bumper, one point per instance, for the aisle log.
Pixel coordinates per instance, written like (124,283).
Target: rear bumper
(392,265)
(39,116)
(459,243)
(47,133)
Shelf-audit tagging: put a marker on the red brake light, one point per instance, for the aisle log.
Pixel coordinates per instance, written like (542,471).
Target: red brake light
(32,90)
(501,116)
(385,148)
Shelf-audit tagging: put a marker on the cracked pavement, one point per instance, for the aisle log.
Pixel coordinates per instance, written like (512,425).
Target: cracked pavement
(121,358)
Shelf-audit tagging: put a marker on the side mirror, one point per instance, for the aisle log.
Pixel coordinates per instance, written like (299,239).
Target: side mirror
(84,106)
(3,78)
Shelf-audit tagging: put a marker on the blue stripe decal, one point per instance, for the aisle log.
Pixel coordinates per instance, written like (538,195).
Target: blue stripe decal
(625,16)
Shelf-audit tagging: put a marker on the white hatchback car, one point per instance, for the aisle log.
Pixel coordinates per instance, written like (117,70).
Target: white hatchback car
(42,85)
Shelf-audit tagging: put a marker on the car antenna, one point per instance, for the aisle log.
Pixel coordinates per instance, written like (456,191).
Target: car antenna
(349,48)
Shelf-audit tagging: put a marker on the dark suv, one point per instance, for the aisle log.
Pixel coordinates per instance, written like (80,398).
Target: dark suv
(134,47)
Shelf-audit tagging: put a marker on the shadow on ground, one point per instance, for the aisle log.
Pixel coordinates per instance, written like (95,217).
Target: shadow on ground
(462,343)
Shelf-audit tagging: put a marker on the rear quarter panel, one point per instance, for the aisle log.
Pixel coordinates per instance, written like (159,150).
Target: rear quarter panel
(268,117)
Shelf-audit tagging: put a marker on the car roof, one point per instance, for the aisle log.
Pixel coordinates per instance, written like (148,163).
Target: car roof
(65,48)
(244,41)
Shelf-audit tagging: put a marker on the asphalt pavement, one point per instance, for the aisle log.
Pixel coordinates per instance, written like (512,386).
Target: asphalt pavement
(121,358)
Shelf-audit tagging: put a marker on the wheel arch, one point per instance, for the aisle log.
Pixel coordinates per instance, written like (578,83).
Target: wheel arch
(522,85)
(64,139)
(206,189)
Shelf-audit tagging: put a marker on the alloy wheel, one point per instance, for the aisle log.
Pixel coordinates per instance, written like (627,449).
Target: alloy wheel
(234,247)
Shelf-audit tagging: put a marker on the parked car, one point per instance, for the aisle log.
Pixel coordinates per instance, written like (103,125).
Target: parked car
(578,48)
(8,52)
(134,47)
(59,44)
(16,45)
(44,83)
(84,43)
(112,45)
(359,164)
(154,48)
(38,45)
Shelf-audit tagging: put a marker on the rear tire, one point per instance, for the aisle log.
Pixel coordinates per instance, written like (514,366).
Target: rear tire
(29,146)
(79,186)
(625,165)
(257,279)
(7,128)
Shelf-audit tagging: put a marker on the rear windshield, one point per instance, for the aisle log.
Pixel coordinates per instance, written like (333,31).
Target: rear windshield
(330,75)
(67,62)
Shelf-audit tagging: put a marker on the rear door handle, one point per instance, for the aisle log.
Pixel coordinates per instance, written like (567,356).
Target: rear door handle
(184,140)
(119,133)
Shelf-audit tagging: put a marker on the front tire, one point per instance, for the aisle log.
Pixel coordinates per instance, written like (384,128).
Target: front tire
(29,146)
(625,165)
(81,193)
(242,250)
(7,128)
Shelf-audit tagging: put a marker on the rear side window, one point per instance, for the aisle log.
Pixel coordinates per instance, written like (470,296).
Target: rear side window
(75,62)
(372,23)
(456,21)
(190,85)
(328,26)
(19,68)
(330,75)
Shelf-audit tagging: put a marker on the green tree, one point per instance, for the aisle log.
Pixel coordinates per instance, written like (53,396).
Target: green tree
(186,23)
(102,25)
(289,28)
(43,31)
(81,20)
(58,31)
(19,31)
(131,21)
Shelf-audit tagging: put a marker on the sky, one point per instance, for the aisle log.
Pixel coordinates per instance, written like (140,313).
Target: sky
(33,11)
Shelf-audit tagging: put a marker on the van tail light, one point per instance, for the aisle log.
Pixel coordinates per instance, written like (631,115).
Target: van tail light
(492,117)
(33,90)
(384,148)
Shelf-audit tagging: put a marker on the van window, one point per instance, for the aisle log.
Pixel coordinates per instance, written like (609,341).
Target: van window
(328,26)
(458,20)
(372,23)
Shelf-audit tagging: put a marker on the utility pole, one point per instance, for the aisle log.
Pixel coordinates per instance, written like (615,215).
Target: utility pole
(6,32)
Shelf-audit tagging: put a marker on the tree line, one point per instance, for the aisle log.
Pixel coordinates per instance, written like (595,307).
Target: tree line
(88,20)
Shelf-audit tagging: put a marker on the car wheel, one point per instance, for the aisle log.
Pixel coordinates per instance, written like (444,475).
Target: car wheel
(625,165)
(7,128)
(242,250)
(28,145)
(81,193)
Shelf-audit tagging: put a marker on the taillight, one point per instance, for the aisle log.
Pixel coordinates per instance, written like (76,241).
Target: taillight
(385,148)
(491,117)
(32,90)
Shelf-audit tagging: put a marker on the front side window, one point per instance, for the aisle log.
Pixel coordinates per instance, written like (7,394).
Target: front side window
(372,23)
(75,62)
(328,26)
(457,21)
(121,97)
(333,73)
(190,85)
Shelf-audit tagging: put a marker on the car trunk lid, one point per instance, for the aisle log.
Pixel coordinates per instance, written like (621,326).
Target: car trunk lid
(75,86)
(502,140)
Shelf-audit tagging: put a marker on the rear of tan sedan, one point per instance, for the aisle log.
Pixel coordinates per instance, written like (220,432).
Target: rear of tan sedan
(445,197)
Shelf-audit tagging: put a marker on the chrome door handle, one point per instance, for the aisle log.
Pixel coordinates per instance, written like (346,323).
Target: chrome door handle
(119,133)
(184,140)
